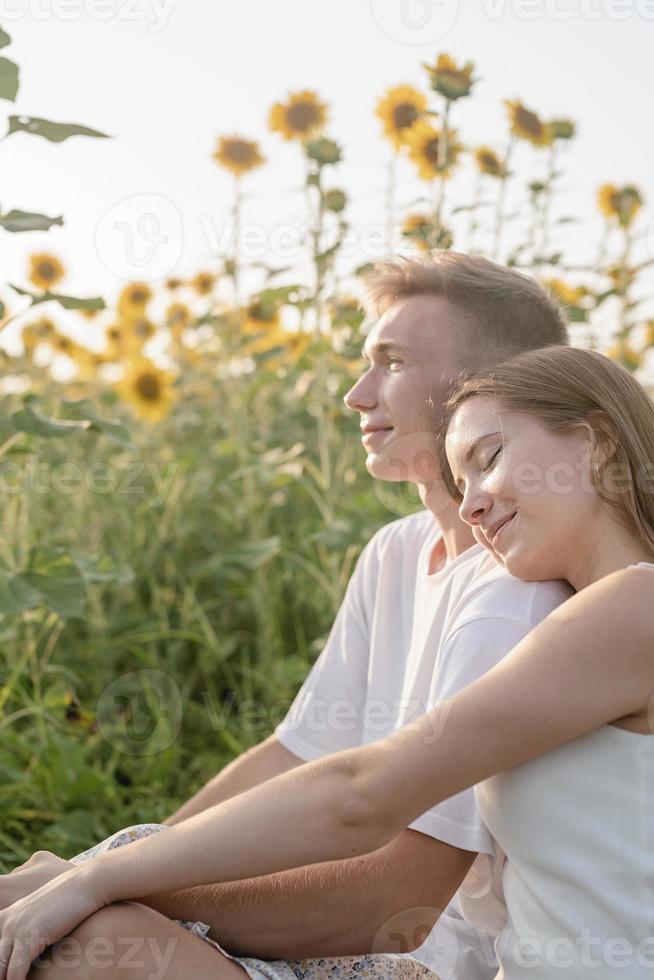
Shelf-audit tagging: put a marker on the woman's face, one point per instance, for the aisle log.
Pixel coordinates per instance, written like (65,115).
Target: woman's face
(527,492)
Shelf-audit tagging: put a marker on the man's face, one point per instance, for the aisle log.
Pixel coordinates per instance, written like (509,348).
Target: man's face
(412,364)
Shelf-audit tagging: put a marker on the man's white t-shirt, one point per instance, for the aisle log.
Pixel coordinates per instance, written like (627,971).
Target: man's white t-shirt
(402,642)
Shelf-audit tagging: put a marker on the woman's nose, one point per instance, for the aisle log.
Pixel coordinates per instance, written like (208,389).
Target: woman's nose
(474,506)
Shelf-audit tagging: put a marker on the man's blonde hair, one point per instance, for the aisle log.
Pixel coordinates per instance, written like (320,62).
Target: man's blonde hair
(502,311)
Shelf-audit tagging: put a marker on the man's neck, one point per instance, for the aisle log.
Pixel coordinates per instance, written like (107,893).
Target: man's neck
(457,535)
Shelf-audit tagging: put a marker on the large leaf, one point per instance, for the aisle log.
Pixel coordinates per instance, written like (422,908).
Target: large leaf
(4,39)
(8,79)
(68,302)
(54,131)
(27,420)
(28,221)
(84,410)
(52,580)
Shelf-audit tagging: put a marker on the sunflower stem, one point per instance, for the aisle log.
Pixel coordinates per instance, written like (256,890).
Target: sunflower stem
(473,222)
(237,233)
(390,201)
(501,196)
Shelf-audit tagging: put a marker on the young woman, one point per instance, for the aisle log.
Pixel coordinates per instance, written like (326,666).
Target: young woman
(553,457)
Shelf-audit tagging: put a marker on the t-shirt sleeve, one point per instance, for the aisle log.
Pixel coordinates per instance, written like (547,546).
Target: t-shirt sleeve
(469,652)
(327,714)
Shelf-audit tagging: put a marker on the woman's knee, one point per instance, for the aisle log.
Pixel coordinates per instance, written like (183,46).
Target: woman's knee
(126,939)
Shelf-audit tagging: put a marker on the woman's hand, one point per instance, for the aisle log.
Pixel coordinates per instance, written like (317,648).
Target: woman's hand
(36,921)
(41,868)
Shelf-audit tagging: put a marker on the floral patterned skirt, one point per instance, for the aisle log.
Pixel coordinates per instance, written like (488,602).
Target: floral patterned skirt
(386,966)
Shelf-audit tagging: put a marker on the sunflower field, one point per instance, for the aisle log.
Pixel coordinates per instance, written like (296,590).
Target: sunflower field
(183,491)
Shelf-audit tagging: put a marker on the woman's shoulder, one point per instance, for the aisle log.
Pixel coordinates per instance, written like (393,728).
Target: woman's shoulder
(621,602)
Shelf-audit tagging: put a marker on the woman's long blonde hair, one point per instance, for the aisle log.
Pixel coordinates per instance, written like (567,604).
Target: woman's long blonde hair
(566,387)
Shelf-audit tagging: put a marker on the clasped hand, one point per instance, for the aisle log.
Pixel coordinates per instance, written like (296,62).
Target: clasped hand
(42,917)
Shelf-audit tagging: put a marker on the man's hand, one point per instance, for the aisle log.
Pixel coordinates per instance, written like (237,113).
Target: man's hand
(42,867)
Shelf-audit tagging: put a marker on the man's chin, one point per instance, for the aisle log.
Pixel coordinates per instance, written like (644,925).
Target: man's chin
(389,470)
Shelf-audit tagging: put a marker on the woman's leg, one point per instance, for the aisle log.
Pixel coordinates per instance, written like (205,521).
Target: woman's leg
(129,941)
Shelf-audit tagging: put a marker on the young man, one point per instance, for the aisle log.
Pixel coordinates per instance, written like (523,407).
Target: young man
(426,612)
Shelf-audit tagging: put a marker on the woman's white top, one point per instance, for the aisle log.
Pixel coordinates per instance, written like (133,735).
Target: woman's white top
(576,825)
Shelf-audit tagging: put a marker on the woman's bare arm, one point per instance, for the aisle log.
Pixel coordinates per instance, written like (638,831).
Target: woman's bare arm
(589,663)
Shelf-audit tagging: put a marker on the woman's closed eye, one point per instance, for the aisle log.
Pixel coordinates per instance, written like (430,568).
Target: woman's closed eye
(490,462)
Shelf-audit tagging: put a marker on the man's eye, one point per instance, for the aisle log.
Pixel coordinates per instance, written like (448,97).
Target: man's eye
(392,362)
(492,460)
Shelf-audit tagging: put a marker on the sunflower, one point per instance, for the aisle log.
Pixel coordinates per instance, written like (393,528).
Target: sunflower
(238,155)
(419,228)
(398,110)
(62,344)
(449,79)
(527,125)
(423,146)
(302,116)
(147,389)
(623,352)
(622,203)
(173,283)
(178,316)
(203,283)
(261,317)
(566,294)
(139,331)
(649,333)
(117,340)
(488,162)
(133,300)
(45,270)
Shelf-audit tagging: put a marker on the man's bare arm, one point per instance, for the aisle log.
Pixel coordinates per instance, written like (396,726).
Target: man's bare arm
(386,901)
(256,766)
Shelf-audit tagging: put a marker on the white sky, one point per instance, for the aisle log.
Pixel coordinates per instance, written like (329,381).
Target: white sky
(165,83)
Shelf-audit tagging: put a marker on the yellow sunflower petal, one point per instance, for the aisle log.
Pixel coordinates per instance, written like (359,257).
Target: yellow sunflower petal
(45,270)
(398,110)
(526,124)
(238,155)
(303,115)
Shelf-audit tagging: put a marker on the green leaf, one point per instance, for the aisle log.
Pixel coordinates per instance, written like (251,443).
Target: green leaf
(68,302)
(102,568)
(8,79)
(16,595)
(4,39)
(54,131)
(27,420)
(2,309)
(84,410)
(28,221)
(51,580)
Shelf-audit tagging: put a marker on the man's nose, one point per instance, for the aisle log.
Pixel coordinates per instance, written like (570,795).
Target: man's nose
(474,506)
(361,396)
